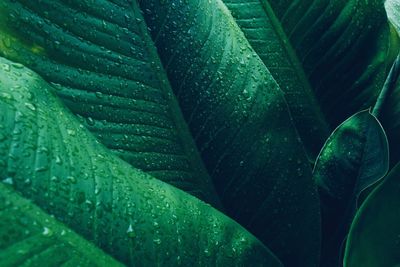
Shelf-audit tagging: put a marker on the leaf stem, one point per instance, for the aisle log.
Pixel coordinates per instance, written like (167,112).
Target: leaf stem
(387,87)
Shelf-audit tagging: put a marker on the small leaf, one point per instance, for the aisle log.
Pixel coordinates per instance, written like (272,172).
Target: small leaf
(375,232)
(354,157)
(31,237)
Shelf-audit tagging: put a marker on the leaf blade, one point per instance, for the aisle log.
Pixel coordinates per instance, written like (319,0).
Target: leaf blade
(241,124)
(136,218)
(31,236)
(107,72)
(353,158)
(266,35)
(368,229)
(325,45)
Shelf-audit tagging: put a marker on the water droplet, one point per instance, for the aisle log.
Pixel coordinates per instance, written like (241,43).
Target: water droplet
(30,106)
(90,121)
(71,132)
(6,67)
(6,96)
(71,179)
(58,160)
(46,231)
(130,231)
(157,241)
(8,180)
(17,65)
(207,252)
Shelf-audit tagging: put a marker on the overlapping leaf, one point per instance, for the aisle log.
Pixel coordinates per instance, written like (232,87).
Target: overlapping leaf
(105,66)
(329,57)
(241,124)
(374,235)
(353,158)
(52,159)
(322,54)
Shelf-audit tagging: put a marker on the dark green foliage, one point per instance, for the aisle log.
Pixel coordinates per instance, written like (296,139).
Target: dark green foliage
(241,124)
(136,218)
(324,55)
(106,70)
(118,118)
(374,235)
(30,237)
(353,158)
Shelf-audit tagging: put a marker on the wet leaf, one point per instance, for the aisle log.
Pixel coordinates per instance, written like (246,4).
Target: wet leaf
(241,124)
(329,57)
(30,237)
(354,157)
(50,158)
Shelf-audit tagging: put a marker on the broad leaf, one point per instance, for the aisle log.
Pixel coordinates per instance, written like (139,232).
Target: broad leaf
(266,35)
(105,67)
(374,235)
(329,57)
(241,124)
(354,157)
(30,237)
(52,159)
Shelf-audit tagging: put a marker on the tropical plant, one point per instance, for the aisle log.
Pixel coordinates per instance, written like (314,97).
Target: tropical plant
(203,133)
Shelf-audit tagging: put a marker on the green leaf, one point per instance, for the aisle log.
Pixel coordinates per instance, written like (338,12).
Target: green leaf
(387,110)
(392,8)
(391,109)
(266,35)
(354,157)
(391,122)
(52,159)
(30,237)
(374,234)
(324,55)
(241,124)
(105,67)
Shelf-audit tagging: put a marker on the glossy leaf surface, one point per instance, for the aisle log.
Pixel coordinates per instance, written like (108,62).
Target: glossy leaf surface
(241,124)
(101,59)
(52,159)
(374,235)
(329,57)
(354,157)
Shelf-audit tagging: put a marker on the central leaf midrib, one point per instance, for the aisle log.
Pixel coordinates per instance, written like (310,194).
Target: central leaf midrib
(306,90)
(294,60)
